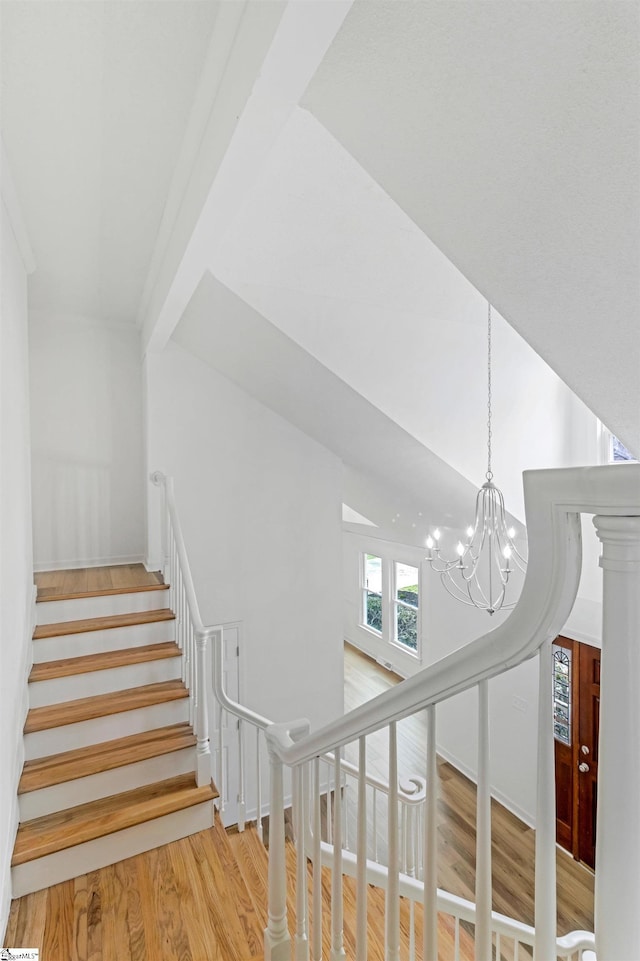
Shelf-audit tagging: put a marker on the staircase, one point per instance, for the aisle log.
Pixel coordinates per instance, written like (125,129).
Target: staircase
(109,744)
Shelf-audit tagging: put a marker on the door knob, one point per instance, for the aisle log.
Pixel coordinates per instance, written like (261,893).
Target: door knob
(583,767)
(584,749)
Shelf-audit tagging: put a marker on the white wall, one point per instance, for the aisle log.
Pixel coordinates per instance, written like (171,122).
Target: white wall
(259,503)
(16,567)
(88,452)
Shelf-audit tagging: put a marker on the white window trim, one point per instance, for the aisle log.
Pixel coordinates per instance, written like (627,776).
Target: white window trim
(394,603)
(388,596)
(605,446)
(365,590)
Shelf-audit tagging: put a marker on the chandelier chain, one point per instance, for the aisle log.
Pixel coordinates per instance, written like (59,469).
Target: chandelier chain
(489,474)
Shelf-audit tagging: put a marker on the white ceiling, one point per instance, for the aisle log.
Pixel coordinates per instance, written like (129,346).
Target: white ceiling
(96,98)
(509,132)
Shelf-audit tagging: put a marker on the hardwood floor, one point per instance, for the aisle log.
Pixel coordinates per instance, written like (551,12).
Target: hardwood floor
(513,841)
(84,580)
(202,898)
(180,902)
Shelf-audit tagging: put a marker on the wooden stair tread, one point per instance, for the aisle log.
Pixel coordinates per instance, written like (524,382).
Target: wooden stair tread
(44,595)
(96,758)
(100,705)
(102,623)
(67,666)
(65,829)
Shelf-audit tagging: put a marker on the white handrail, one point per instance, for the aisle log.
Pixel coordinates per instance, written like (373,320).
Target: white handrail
(553,501)
(192,637)
(161,480)
(461,908)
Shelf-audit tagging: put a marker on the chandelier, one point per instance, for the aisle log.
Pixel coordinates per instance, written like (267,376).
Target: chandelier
(479,574)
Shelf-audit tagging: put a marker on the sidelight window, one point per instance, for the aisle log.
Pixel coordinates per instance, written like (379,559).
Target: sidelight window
(562,694)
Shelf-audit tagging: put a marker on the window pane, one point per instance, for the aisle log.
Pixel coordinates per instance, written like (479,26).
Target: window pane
(620,452)
(407,626)
(373,573)
(374,611)
(407,584)
(562,694)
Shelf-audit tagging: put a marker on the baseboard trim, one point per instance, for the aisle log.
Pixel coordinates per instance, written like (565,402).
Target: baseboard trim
(69,565)
(498,796)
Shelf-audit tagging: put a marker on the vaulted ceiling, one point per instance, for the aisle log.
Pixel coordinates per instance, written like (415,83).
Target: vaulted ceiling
(153,141)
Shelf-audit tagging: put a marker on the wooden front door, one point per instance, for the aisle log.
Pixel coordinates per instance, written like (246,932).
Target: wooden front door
(576,716)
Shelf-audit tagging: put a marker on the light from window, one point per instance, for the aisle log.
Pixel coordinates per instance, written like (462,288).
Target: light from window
(562,694)
(619,452)
(372,592)
(406,604)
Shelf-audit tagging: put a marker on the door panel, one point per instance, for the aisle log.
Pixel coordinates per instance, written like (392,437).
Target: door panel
(576,722)
(588,752)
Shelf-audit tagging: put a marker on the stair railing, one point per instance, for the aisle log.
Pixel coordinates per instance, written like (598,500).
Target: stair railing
(191,634)
(554,501)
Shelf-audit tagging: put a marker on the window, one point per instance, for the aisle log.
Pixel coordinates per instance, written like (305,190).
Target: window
(619,452)
(389,602)
(372,593)
(405,606)
(562,694)
(612,450)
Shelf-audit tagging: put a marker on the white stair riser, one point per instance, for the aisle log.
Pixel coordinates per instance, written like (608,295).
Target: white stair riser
(75,686)
(99,642)
(99,729)
(82,858)
(76,609)
(58,797)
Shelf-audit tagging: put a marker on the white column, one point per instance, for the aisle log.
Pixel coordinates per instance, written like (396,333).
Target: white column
(617,886)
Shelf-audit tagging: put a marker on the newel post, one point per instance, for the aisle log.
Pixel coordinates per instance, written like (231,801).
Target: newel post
(277,945)
(617,883)
(203,750)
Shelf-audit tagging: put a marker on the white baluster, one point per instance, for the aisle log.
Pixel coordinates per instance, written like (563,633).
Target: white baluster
(337,946)
(317,864)
(617,883)
(403,838)
(301,938)
(430,858)
(329,802)
(258,787)
(375,823)
(345,814)
(545,880)
(277,944)
(392,906)
(221,783)
(241,777)
(361,852)
(203,751)
(483,830)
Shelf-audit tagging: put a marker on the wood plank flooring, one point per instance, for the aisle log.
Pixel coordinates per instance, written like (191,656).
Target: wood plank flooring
(102,580)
